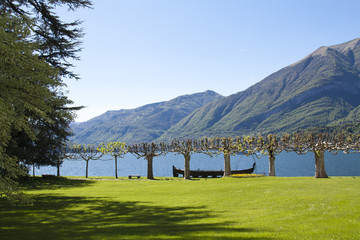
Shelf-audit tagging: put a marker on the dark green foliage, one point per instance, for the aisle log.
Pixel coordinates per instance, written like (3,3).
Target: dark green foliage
(34,116)
(58,41)
(19,73)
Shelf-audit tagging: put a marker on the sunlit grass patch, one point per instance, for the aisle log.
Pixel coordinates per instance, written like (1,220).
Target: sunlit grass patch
(173,208)
(246,175)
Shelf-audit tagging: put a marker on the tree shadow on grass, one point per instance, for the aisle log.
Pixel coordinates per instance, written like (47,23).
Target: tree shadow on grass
(38,183)
(60,217)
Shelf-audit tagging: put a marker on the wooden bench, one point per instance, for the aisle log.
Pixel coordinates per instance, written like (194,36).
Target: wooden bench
(48,176)
(134,176)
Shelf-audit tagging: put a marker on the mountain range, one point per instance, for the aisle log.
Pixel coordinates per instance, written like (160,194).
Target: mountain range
(142,124)
(321,89)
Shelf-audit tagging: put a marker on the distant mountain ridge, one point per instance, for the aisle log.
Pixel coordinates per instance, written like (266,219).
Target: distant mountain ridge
(145,123)
(323,88)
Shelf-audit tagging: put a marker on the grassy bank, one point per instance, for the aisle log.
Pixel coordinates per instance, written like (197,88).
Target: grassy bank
(169,208)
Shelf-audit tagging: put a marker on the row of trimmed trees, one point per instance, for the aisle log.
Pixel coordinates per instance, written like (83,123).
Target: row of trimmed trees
(270,145)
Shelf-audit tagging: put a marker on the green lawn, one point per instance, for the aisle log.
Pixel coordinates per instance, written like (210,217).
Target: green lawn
(169,208)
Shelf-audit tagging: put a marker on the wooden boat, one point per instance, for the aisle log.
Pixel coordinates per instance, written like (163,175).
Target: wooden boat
(210,173)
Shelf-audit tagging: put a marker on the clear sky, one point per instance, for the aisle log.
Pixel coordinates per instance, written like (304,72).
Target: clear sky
(137,52)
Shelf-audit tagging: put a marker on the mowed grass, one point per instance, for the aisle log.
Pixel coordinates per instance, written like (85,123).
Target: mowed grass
(173,208)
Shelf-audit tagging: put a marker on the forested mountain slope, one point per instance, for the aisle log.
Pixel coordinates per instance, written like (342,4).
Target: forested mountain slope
(321,89)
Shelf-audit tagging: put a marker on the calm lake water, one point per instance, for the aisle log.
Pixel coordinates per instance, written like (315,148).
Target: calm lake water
(286,165)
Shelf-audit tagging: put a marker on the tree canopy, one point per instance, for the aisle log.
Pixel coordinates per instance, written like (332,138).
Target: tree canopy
(35,113)
(58,41)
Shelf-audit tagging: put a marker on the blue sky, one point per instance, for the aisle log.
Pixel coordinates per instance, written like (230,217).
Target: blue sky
(137,52)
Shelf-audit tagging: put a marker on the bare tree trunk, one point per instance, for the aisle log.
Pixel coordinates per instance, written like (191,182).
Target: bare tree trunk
(116,174)
(58,167)
(227,165)
(87,168)
(271,164)
(150,174)
(33,169)
(320,165)
(187,166)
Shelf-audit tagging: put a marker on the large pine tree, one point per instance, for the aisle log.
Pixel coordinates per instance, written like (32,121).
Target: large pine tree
(34,111)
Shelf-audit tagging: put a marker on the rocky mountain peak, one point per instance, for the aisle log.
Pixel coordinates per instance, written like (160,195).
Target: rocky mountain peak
(344,47)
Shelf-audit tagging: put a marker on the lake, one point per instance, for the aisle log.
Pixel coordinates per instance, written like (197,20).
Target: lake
(286,165)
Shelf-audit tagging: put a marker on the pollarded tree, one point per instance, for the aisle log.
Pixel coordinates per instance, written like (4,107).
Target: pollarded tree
(270,146)
(87,152)
(148,151)
(115,149)
(64,152)
(302,143)
(186,148)
(229,146)
(226,146)
(189,147)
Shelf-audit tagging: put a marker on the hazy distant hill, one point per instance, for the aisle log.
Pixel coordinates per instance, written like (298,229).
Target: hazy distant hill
(145,123)
(323,88)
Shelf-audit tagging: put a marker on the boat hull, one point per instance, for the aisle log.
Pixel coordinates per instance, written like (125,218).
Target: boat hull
(210,173)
